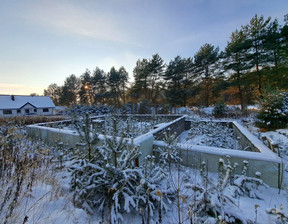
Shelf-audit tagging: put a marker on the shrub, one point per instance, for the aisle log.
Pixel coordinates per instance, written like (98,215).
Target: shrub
(273,113)
(220,110)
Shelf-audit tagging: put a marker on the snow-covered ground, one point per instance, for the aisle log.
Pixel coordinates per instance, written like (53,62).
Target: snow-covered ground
(50,200)
(210,134)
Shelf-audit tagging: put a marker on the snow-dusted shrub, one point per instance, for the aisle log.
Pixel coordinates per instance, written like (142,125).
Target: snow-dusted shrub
(94,110)
(273,113)
(169,154)
(242,184)
(220,110)
(88,135)
(282,217)
(150,192)
(216,201)
(108,183)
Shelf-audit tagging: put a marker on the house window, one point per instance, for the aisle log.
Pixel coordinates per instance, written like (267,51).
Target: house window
(7,112)
(35,110)
(45,110)
(18,111)
(27,111)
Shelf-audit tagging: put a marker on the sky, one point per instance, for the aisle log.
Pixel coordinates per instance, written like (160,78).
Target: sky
(45,41)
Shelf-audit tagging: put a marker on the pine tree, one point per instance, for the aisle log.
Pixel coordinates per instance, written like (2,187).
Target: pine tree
(69,93)
(178,78)
(108,183)
(256,34)
(99,79)
(237,63)
(86,93)
(205,69)
(150,192)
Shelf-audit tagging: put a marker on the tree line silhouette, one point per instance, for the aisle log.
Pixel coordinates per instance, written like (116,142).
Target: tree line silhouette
(254,60)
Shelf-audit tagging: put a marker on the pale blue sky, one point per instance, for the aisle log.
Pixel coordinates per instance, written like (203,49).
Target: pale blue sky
(45,41)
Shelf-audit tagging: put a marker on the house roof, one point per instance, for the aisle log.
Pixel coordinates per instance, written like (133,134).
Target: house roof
(16,102)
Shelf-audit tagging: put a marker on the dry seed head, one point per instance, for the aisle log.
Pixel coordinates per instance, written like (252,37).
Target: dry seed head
(159,193)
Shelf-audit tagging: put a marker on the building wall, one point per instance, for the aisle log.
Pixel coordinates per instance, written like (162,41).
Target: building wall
(28,110)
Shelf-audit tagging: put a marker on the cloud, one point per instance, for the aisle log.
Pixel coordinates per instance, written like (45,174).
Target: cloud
(70,19)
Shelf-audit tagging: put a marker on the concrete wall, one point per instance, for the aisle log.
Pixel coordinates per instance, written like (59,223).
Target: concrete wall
(22,111)
(263,160)
(52,135)
(270,165)
(176,126)
(49,135)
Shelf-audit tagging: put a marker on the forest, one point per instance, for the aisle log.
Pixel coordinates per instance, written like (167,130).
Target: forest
(254,62)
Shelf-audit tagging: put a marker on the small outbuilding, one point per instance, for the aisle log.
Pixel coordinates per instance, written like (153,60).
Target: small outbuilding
(15,105)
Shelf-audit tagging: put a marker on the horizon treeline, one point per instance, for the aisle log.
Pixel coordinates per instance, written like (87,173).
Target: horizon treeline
(254,60)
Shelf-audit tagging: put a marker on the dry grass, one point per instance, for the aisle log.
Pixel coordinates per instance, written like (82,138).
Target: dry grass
(26,120)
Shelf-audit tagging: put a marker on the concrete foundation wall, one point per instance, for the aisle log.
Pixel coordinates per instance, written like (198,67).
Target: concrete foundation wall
(269,167)
(261,159)
(174,127)
(52,135)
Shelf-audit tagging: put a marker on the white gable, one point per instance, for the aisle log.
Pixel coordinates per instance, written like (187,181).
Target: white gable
(16,102)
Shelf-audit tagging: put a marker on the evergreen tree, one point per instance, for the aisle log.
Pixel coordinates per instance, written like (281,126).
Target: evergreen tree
(155,68)
(205,69)
(237,63)
(53,91)
(117,81)
(99,85)
(256,30)
(86,94)
(178,78)
(147,75)
(69,93)
(123,83)
(140,73)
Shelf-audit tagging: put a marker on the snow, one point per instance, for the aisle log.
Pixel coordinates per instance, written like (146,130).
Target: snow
(50,199)
(221,152)
(255,141)
(19,101)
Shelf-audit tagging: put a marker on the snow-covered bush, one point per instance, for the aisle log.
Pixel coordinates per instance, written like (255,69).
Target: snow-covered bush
(108,183)
(87,133)
(144,107)
(242,184)
(150,192)
(217,201)
(273,113)
(93,110)
(170,153)
(220,110)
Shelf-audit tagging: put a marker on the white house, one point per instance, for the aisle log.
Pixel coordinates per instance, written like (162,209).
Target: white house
(13,105)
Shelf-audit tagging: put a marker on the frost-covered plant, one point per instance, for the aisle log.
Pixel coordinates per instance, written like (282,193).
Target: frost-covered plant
(150,192)
(242,184)
(108,183)
(209,198)
(169,154)
(273,113)
(104,186)
(87,134)
(220,109)
(20,162)
(282,217)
